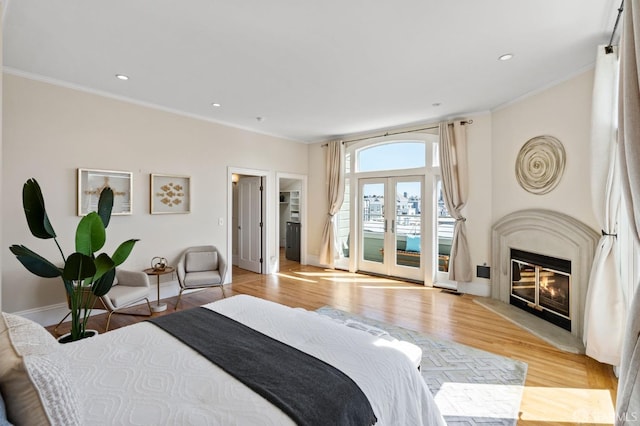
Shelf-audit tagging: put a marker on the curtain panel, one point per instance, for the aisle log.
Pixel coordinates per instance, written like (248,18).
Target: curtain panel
(628,399)
(455,188)
(335,197)
(605,310)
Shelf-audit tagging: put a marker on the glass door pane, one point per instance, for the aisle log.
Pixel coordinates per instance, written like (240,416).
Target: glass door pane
(523,281)
(554,291)
(407,223)
(372,221)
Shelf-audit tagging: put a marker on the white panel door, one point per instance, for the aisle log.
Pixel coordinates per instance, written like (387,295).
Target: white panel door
(249,223)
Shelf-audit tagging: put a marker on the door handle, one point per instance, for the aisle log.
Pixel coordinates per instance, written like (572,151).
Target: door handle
(393,225)
(385,225)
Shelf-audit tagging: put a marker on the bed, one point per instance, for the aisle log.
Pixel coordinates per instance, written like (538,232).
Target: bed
(141,375)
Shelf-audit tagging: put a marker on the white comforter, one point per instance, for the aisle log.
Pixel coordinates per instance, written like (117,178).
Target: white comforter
(140,375)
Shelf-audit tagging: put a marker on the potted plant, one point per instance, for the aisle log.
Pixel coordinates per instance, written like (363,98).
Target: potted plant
(85,275)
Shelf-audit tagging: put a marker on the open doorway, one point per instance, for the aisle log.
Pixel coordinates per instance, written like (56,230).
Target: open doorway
(291,234)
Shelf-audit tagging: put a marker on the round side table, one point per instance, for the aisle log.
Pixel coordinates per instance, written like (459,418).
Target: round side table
(159,307)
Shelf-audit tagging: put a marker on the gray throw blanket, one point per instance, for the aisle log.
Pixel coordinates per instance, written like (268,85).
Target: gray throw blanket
(308,390)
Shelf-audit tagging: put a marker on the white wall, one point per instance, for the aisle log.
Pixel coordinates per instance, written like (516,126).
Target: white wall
(563,111)
(317,201)
(50,131)
(478,207)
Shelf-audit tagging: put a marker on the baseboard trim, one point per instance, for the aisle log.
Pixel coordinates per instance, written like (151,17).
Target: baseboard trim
(52,314)
(45,315)
(476,288)
(314,260)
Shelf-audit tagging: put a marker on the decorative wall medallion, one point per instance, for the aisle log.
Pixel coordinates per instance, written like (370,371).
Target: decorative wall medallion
(540,164)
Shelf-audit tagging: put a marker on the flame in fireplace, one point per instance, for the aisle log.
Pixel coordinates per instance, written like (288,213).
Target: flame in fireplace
(546,288)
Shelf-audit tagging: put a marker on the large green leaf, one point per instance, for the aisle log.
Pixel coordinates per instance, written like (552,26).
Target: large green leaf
(35,211)
(102,286)
(78,267)
(35,263)
(90,234)
(103,264)
(105,206)
(123,251)
(68,286)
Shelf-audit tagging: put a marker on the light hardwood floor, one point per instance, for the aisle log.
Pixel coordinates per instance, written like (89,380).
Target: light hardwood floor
(561,388)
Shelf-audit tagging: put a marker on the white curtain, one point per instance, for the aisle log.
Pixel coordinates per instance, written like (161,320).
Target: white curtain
(455,188)
(605,310)
(335,197)
(628,399)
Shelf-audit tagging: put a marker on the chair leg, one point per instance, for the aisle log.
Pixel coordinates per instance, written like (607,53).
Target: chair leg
(179,296)
(222,288)
(108,321)
(55,329)
(128,313)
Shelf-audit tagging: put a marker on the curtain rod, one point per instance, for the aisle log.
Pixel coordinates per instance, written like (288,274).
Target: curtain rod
(464,123)
(609,48)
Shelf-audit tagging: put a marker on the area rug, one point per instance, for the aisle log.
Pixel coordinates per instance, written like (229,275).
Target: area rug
(470,386)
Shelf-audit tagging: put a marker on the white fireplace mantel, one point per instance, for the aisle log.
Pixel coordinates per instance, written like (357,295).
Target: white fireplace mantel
(548,233)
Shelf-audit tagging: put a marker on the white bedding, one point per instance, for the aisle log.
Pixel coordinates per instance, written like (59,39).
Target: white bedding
(140,375)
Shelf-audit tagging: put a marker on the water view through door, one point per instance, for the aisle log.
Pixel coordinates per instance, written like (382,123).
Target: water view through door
(391,226)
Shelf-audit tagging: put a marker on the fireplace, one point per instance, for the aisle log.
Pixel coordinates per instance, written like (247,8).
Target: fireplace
(550,237)
(541,285)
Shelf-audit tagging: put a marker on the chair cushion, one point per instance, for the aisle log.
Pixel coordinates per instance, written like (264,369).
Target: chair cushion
(199,261)
(122,295)
(197,279)
(34,375)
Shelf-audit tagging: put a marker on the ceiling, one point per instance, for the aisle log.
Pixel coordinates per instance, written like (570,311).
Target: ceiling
(308,70)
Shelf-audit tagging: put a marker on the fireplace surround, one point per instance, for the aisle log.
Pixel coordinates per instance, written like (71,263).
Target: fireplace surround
(546,233)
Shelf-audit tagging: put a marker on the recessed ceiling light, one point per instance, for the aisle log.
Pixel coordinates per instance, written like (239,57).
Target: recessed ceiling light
(436,104)
(260,118)
(506,57)
(122,77)
(215,104)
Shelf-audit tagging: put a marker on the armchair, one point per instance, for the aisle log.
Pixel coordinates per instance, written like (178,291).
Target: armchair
(201,267)
(130,288)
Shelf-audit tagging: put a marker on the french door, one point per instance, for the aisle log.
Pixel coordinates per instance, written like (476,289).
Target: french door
(391,226)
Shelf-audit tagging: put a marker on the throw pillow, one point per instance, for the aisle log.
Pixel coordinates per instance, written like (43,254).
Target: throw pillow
(199,261)
(34,375)
(413,243)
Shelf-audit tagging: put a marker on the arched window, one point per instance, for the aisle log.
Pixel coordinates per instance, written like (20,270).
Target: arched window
(394,155)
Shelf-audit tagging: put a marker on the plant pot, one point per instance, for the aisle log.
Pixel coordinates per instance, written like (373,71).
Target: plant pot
(66,338)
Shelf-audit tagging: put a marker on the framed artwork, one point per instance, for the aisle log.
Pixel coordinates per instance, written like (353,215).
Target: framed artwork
(170,194)
(92,182)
